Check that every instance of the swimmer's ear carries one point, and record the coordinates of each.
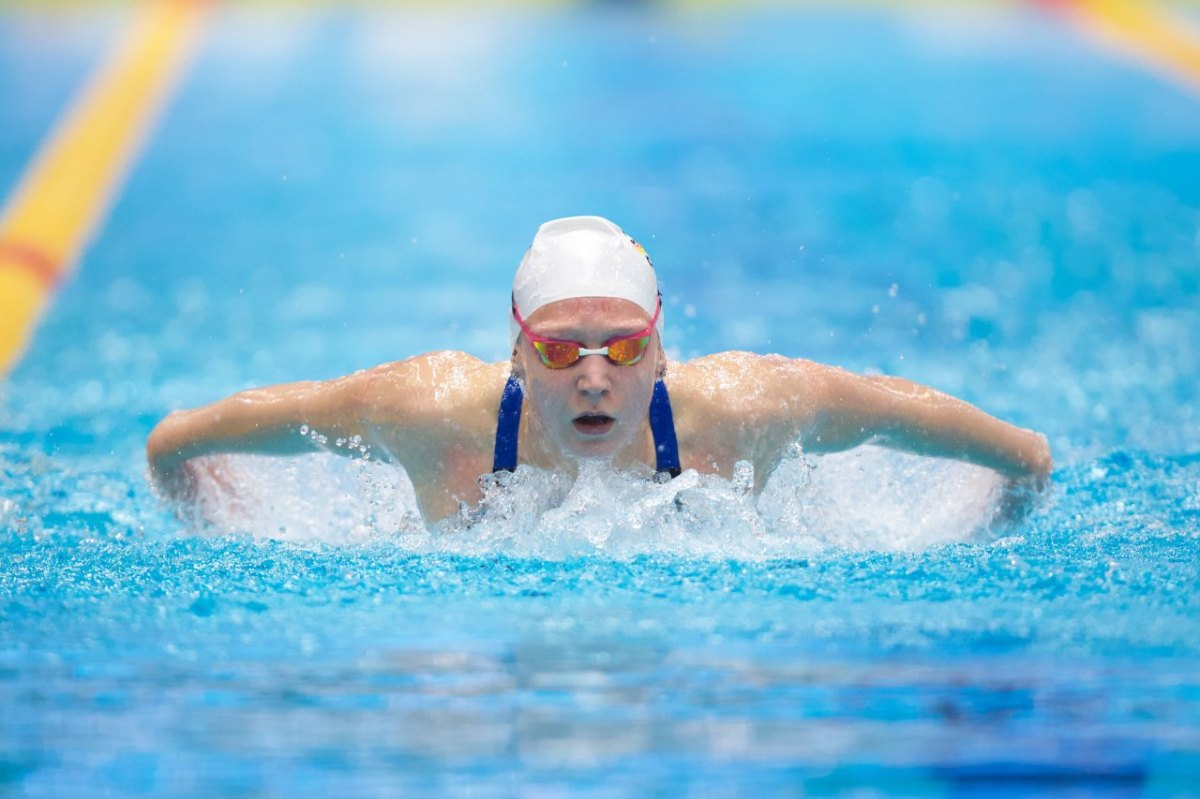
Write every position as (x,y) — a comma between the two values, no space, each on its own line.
(518,365)
(662,361)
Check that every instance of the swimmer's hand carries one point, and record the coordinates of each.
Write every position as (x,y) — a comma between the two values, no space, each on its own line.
(170,475)
(1022,493)
(200,490)
(173,482)
(194,487)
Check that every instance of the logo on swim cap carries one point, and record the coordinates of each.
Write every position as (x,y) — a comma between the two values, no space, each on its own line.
(583,256)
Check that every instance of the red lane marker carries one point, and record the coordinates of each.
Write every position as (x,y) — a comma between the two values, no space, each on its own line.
(33,260)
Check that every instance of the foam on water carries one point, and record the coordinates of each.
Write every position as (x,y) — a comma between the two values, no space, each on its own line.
(866,499)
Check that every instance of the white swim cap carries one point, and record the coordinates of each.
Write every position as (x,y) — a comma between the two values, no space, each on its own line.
(583,256)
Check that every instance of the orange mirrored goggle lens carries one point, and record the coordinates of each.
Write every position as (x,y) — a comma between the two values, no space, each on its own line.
(557,354)
(561,354)
(627,351)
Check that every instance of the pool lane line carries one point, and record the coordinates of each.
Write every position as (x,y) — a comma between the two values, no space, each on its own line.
(1145,30)
(62,197)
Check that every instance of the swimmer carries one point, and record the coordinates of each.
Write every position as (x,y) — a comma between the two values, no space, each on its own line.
(588,379)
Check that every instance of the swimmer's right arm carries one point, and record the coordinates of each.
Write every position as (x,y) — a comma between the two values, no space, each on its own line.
(267,421)
(286,419)
(401,413)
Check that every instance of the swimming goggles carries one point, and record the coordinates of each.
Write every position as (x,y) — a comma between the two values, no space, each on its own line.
(560,353)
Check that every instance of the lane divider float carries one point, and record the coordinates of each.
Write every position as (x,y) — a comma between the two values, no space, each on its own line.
(1144,30)
(68,187)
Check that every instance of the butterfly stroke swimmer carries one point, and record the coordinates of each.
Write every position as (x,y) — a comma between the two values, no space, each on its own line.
(588,379)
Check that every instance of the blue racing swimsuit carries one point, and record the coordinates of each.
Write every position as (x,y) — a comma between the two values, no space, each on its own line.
(662,425)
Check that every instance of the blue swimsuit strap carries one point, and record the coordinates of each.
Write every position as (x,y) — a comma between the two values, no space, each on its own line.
(662,425)
(508,424)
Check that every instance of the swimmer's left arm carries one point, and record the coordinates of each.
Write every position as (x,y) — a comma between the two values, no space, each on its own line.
(837,410)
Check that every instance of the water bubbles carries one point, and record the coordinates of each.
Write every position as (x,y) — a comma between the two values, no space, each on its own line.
(313,435)
(320,497)
(743,477)
(869,499)
(354,445)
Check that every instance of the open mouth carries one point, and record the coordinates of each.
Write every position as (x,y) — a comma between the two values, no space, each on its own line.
(594,424)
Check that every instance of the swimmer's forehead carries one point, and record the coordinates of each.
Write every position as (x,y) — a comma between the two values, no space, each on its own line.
(589,315)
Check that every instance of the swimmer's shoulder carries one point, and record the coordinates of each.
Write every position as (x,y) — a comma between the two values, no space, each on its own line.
(447,386)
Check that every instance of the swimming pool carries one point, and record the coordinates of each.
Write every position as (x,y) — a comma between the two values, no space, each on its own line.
(983,200)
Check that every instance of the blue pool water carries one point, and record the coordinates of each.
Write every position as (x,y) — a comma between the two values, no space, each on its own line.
(983,200)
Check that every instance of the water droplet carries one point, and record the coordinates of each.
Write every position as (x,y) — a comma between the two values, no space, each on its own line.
(743,477)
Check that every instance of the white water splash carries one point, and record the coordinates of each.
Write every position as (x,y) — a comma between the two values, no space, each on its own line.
(865,499)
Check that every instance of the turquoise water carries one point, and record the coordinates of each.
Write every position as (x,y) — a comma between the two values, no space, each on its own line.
(981,200)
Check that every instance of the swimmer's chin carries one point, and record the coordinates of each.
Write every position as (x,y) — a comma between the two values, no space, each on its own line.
(599,448)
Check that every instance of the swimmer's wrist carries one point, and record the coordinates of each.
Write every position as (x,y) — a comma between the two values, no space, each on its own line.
(1041,462)
(1034,462)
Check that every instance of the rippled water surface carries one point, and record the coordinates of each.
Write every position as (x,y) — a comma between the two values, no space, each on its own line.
(983,200)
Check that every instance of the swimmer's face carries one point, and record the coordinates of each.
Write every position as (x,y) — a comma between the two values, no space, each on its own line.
(594,407)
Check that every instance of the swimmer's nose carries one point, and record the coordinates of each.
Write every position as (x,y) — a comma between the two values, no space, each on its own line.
(593,375)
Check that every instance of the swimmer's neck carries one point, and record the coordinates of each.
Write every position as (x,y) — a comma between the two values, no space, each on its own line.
(537,449)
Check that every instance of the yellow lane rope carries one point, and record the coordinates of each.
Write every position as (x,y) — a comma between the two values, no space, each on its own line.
(64,194)
(1145,30)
